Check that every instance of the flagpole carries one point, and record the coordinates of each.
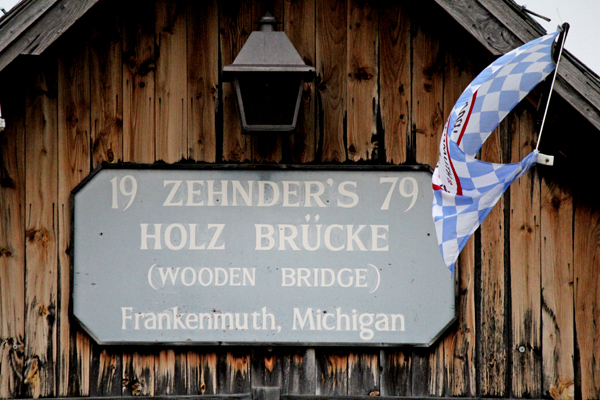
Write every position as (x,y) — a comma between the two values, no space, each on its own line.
(565,28)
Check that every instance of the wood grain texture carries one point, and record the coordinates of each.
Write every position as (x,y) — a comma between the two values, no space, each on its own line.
(73,164)
(235,25)
(201,373)
(331,79)
(525,268)
(363,84)
(492,357)
(74,155)
(267,367)
(558,374)
(396,372)
(12,244)
(233,372)
(203,79)
(171,81)
(44,31)
(41,232)
(138,374)
(395,76)
(106,373)
(299,372)
(462,369)
(300,27)
(106,77)
(363,373)
(587,298)
(170,373)
(12,28)
(332,372)
(428,85)
(139,67)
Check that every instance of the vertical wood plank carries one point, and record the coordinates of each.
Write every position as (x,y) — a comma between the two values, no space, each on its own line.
(332,372)
(233,372)
(363,373)
(170,373)
(12,245)
(138,374)
(525,268)
(299,372)
(73,165)
(106,71)
(396,374)
(203,79)
(235,20)
(395,76)
(202,373)
(331,78)
(422,361)
(139,67)
(267,367)
(587,297)
(106,374)
(428,83)
(171,81)
(558,372)
(363,72)
(492,358)
(463,363)
(557,293)
(299,20)
(41,292)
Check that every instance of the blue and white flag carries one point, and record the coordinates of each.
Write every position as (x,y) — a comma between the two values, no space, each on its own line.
(466,189)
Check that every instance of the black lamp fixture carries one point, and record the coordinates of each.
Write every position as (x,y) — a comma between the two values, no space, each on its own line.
(268,76)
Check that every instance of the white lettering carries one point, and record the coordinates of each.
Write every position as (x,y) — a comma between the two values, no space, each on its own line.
(344,192)
(169,201)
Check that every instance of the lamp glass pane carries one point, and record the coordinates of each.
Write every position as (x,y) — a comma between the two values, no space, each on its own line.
(269,98)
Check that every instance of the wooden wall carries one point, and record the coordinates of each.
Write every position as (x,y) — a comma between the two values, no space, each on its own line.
(138,81)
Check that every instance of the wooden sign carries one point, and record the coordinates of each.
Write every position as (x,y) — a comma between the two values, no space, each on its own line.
(283,256)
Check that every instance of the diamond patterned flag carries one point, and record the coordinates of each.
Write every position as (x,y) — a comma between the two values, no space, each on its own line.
(466,189)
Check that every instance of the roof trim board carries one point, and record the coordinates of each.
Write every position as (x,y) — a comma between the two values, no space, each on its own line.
(33,27)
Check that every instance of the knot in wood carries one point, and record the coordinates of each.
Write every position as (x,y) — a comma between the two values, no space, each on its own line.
(556,203)
(527,228)
(362,74)
(7,182)
(38,235)
(6,253)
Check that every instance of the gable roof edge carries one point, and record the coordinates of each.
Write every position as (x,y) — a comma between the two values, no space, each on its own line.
(500,28)
(33,26)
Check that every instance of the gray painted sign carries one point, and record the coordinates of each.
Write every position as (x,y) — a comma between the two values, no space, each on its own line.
(284,256)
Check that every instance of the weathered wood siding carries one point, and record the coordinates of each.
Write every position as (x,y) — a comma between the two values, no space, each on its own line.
(138,81)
